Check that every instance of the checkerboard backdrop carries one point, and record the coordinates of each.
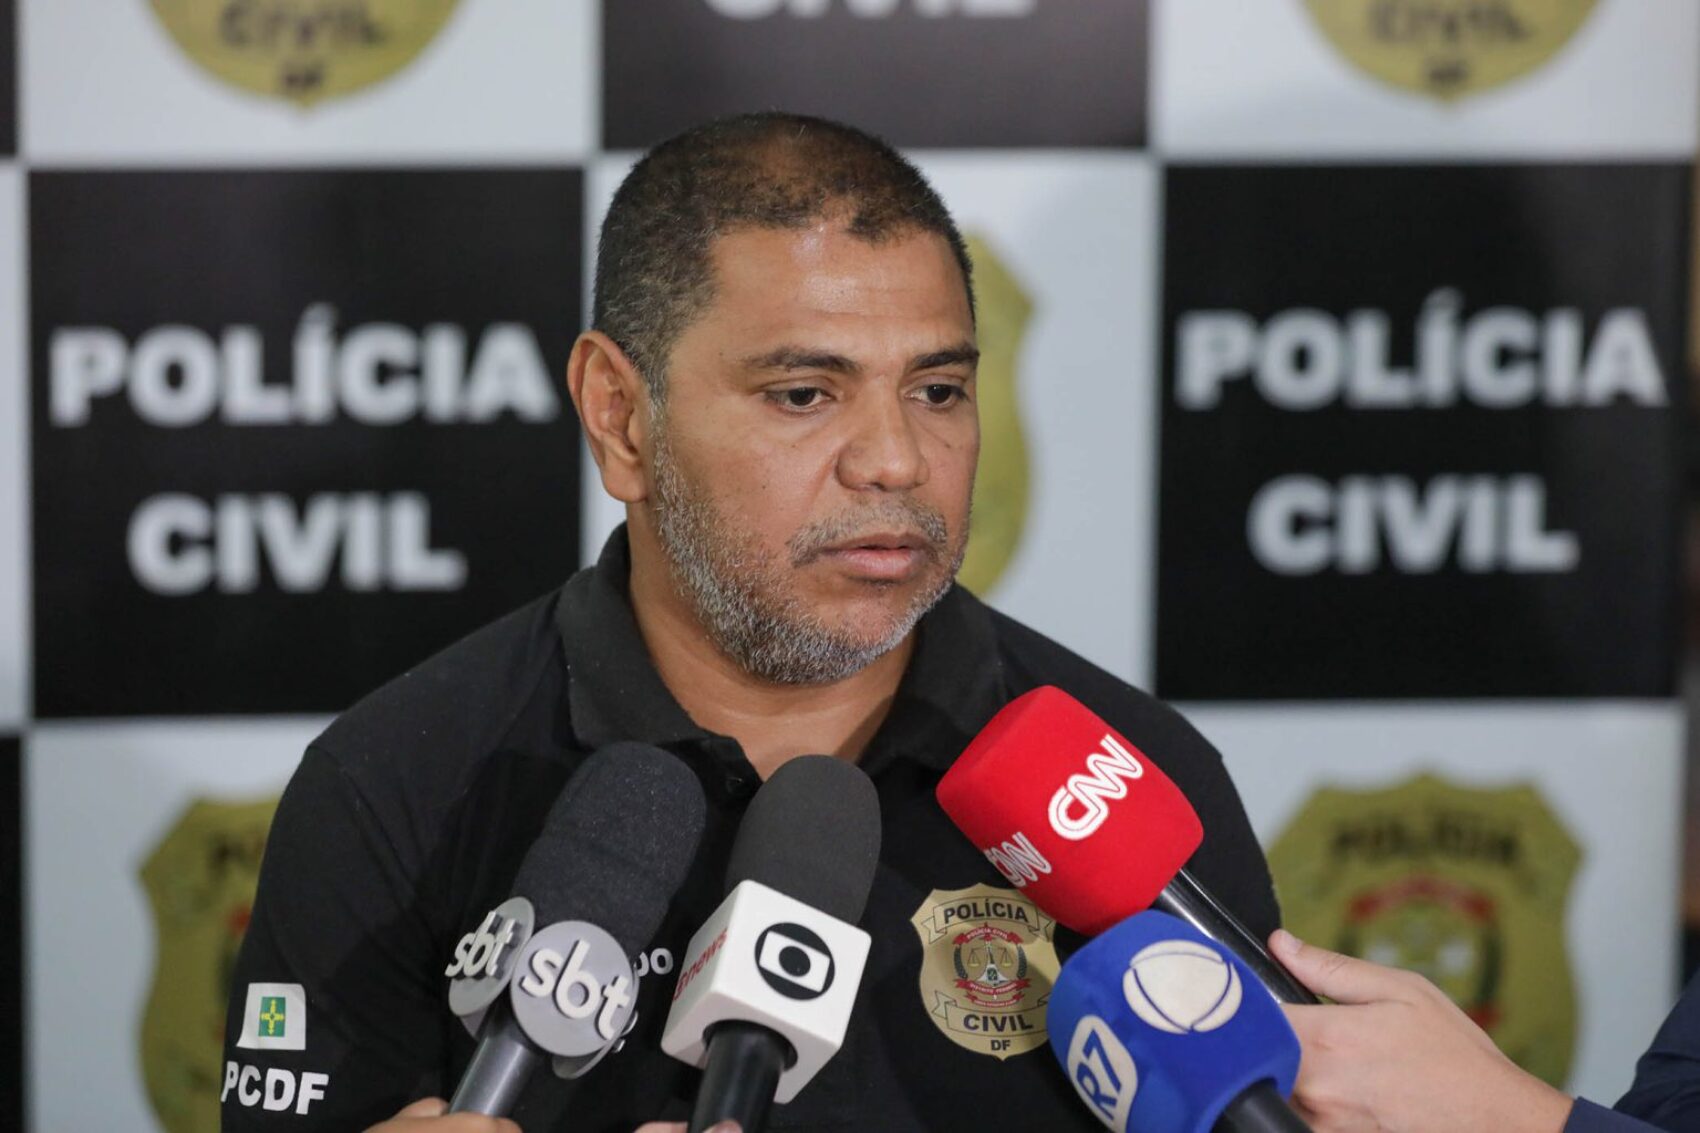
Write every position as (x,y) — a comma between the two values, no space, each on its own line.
(1333,388)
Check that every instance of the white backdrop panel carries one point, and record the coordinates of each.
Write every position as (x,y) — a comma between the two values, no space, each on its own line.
(1238,80)
(14,457)
(1078,231)
(1610,771)
(105,84)
(98,799)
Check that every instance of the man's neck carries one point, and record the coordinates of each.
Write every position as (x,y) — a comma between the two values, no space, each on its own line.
(772,722)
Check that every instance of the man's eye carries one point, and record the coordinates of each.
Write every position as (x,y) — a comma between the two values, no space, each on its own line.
(801,397)
(942,393)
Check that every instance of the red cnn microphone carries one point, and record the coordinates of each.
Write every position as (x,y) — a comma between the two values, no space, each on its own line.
(1083,822)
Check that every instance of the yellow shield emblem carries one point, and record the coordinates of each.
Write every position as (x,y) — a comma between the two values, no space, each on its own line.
(1449,48)
(1000,486)
(987,966)
(303,52)
(1466,886)
(201,881)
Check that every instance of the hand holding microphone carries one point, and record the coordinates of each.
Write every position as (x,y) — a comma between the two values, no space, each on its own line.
(1086,825)
(1393,1052)
(1158,1032)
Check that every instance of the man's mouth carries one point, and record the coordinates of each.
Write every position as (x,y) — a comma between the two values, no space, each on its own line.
(903,541)
(879,556)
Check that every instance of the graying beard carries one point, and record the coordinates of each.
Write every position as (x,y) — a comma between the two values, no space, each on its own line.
(741,602)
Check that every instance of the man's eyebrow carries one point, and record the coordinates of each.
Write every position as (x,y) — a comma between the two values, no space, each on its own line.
(966,353)
(800,358)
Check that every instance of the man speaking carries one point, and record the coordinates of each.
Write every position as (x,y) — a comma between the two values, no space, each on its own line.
(780,387)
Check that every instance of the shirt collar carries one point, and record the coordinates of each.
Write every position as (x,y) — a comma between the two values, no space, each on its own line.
(613,690)
(953,685)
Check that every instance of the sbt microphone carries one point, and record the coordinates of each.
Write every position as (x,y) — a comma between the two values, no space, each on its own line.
(765,995)
(614,850)
(1086,825)
(1158,1030)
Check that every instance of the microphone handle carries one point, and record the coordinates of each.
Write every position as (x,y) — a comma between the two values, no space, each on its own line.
(744,1064)
(500,1067)
(1191,902)
(1260,1109)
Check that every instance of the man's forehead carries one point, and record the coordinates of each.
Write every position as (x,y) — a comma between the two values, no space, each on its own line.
(772,276)
(829,247)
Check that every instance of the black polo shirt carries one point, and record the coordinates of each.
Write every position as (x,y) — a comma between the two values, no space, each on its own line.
(407,819)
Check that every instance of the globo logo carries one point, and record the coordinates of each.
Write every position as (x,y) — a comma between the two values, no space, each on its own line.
(794,961)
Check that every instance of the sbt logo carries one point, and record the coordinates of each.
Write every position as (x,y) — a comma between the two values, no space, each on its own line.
(577,993)
(1078,807)
(874,9)
(479,952)
(1102,1071)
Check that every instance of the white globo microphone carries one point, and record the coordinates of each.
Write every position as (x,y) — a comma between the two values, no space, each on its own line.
(771,960)
(768,983)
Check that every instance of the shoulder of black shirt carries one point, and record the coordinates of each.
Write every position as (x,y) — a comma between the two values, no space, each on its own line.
(415,746)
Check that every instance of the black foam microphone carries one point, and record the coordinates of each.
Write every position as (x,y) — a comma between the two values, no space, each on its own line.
(766,996)
(614,850)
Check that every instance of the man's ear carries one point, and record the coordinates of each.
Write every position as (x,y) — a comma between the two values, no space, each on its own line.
(613,408)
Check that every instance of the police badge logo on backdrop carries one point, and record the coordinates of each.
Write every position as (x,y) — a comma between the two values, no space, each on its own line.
(986,67)
(1318,339)
(303,53)
(1464,885)
(1003,478)
(1454,48)
(200,881)
(292,430)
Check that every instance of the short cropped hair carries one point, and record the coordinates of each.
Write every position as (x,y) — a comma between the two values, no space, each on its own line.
(654,276)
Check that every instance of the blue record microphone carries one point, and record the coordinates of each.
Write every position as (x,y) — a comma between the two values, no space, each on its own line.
(1162,1030)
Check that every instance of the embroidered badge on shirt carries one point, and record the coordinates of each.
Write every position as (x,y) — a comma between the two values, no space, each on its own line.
(275,1018)
(987,965)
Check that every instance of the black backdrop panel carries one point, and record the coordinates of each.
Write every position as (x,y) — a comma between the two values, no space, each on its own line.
(919,72)
(8,77)
(293,430)
(11,936)
(1402,412)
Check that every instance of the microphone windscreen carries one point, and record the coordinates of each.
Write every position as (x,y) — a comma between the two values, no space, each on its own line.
(617,844)
(1158,1027)
(813,833)
(1069,811)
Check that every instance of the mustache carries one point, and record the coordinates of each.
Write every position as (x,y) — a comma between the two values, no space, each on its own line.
(892,514)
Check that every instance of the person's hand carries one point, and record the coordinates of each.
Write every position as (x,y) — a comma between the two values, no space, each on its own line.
(430,1115)
(679,1127)
(1394,1055)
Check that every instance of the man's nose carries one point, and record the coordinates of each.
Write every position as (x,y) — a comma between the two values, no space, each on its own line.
(883,450)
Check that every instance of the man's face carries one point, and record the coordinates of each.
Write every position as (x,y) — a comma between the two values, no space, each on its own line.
(815,458)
